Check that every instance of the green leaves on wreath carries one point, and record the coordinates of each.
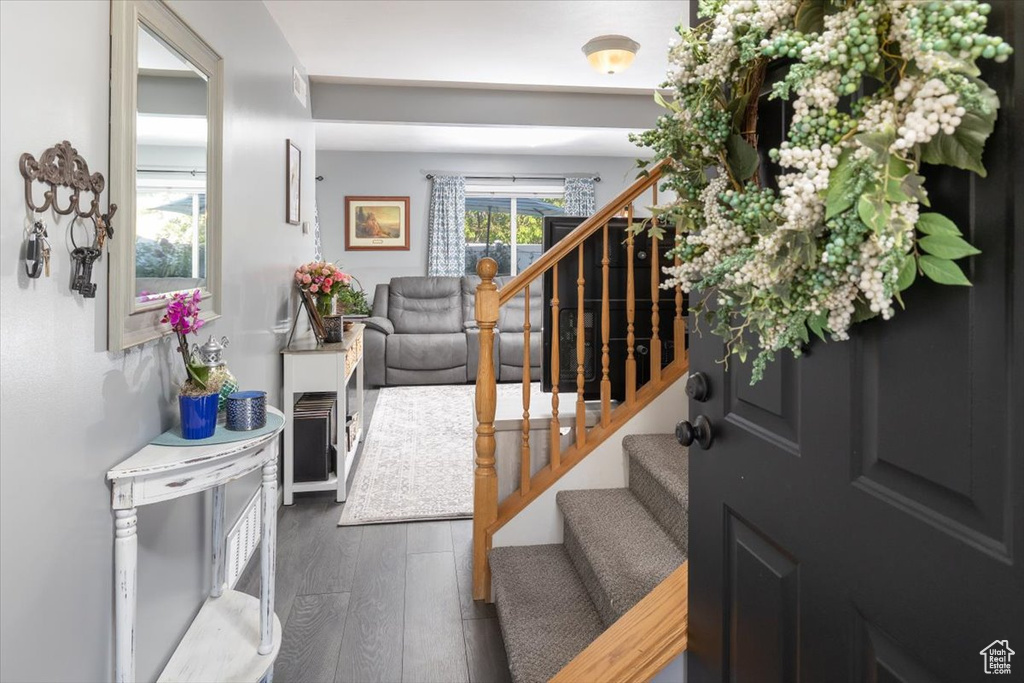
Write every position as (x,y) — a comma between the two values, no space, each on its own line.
(817,324)
(842,186)
(741,157)
(943,271)
(942,244)
(810,16)
(963,149)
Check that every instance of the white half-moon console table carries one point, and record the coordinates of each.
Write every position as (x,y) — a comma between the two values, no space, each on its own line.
(235,637)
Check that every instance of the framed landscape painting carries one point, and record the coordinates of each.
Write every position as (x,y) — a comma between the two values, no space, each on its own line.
(376,223)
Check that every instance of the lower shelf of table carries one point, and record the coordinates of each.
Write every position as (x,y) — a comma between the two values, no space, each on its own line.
(222,642)
(331,483)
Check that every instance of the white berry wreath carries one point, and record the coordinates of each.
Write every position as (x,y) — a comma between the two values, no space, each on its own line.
(845,232)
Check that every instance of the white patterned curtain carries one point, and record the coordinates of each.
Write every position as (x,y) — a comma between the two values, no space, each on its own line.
(446,229)
(579,197)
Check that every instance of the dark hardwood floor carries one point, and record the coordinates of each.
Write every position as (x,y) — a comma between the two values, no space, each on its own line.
(388,603)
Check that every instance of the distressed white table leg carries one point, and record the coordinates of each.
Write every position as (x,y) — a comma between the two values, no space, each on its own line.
(126,552)
(268,552)
(289,440)
(218,559)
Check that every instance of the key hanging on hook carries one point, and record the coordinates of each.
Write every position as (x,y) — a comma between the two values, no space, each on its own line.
(37,252)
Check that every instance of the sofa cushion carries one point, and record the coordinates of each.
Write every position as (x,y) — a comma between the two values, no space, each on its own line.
(510,349)
(426,351)
(425,305)
(512,316)
(469,285)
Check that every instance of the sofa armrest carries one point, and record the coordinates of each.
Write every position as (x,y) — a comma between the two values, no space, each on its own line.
(380,324)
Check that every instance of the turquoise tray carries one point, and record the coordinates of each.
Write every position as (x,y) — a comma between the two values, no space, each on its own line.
(173,437)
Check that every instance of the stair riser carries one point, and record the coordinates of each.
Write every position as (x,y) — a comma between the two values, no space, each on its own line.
(586,572)
(671,514)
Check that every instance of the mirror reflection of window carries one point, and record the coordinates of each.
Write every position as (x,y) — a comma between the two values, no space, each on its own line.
(171,133)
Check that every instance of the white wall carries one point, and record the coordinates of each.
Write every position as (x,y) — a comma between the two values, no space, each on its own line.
(402,174)
(69,409)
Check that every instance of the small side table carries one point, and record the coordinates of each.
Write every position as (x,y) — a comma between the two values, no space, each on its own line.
(235,637)
(309,367)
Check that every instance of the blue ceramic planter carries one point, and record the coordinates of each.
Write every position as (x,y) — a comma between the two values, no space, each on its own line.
(198,415)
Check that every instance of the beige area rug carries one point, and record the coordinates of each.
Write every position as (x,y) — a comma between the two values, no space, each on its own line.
(417,462)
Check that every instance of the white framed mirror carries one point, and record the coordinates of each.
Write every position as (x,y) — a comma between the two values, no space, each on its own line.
(166,129)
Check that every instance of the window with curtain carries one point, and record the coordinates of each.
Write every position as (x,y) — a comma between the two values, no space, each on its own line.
(507,224)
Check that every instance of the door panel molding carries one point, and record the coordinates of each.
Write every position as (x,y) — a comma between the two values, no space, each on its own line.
(761,597)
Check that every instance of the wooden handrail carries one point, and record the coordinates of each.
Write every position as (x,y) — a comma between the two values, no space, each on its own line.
(584,230)
(641,642)
(489,514)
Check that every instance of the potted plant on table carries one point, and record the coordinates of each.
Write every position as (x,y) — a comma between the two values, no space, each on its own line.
(323,282)
(199,395)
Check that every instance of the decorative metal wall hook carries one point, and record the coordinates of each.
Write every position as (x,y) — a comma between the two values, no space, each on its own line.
(62,166)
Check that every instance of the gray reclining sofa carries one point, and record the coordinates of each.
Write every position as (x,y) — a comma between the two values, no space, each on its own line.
(423,331)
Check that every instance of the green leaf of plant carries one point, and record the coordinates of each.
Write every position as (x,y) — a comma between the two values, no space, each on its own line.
(913,185)
(805,337)
(878,143)
(738,108)
(741,157)
(662,102)
(947,246)
(200,374)
(936,224)
(810,17)
(908,273)
(943,271)
(817,323)
(894,191)
(873,212)
(963,149)
(862,311)
(841,181)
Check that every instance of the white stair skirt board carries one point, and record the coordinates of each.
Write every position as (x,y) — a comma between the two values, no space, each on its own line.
(221,643)
(605,467)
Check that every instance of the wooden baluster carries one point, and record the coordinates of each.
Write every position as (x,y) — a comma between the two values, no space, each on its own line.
(630,311)
(606,385)
(655,296)
(679,323)
(581,406)
(556,436)
(524,464)
(485,484)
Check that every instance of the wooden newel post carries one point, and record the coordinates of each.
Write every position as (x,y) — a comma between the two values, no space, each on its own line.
(485,483)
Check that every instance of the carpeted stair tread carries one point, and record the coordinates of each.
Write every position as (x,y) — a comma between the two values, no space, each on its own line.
(545,613)
(658,476)
(618,548)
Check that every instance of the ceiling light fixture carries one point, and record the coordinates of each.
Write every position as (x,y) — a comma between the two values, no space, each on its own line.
(611,54)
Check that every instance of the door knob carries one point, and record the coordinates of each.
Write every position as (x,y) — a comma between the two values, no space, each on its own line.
(697,387)
(699,431)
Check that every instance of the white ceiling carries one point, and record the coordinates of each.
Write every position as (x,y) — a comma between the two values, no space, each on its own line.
(520,42)
(553,140)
